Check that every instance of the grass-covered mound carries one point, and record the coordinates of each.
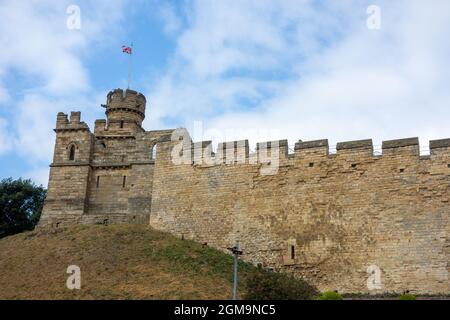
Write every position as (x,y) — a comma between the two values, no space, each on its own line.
(125,262)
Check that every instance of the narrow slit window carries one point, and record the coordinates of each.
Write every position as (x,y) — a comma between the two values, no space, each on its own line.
(292,252)
(121,124)
(72,153)
(124,181)
(98,182)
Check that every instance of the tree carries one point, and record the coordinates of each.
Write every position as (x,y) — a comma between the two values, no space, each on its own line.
(21,203)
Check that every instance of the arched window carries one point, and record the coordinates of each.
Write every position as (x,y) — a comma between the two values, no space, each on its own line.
(153,155)
(72,153)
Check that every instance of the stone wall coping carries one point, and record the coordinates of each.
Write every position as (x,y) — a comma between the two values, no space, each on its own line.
(358,144)
(311,144)
(390,144)
(443,143)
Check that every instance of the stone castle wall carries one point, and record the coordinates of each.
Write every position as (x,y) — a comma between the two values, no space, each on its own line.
(325,217)
(330,218)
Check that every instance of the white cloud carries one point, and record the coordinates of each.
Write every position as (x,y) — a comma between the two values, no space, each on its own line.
(5,137)
(312,70)
(38,44)
(49,59)
(39,175)
(167,13)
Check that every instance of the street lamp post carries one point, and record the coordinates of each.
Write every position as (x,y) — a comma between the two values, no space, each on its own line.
(236,250)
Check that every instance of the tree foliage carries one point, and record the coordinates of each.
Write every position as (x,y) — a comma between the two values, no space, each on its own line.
(21,203)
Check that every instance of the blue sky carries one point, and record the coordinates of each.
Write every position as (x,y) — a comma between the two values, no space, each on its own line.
(248,69)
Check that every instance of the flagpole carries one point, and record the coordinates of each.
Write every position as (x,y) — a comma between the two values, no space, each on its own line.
(129,66)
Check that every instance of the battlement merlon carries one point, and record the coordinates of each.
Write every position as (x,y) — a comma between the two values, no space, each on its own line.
(350,149)
(312,148)
(439,144)
(440,148)
(74,124)
(99,126)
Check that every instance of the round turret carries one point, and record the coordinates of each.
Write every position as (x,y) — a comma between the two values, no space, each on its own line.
(125,106)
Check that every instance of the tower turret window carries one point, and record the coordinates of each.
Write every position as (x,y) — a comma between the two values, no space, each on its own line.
(72,153)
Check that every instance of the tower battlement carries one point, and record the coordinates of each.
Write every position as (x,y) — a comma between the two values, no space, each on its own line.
(126,100)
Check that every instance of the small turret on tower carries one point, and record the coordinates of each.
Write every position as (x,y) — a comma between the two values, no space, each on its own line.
(125,111)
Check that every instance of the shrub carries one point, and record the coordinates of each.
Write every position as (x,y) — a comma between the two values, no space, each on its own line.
(264,285)
(21,203)
(330,295)
(407,296)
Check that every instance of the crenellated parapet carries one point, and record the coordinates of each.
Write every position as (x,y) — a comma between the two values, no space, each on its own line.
(277,153)
(63,123)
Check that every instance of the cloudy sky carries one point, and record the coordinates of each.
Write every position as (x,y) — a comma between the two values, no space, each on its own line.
(256,69)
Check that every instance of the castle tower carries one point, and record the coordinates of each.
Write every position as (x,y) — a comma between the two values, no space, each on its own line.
(125,111)
(66,200)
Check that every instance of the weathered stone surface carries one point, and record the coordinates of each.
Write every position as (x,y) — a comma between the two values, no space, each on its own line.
(436,144)
(400,143)
(311,144)
(327,218)
(360,144)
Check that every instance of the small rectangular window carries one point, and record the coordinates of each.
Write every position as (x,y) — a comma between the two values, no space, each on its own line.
(121,124)
(292,252)
(448,166)
(311,164)
(124,182)
(98,181)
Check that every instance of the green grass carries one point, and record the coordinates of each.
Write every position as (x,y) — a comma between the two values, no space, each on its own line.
(407,296)
(330,295)
(117,262)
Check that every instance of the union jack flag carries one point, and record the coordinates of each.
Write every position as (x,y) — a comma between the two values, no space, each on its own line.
(126,49)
